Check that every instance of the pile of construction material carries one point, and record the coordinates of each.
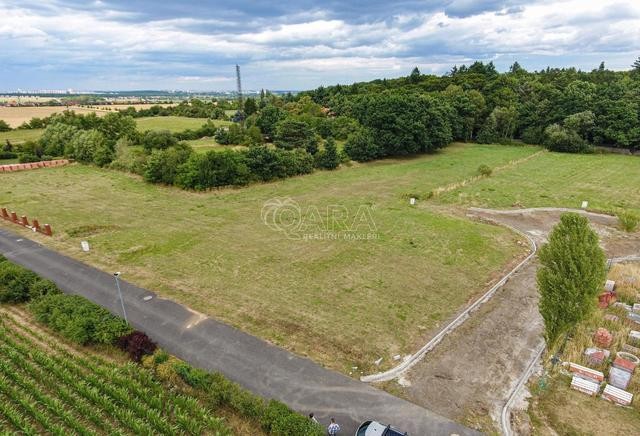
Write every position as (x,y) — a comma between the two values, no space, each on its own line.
(621,368)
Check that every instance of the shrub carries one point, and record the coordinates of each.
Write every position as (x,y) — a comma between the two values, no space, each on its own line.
(4,127)
(275,417)
(328,158)
(279,420)
(78,319)
(84,144)
(28,157)
(104,153)
(162,166)
(15,283)
(213,169)
(485,170)
(291,133)
(628,220)
(533,135)
(194,377)
(137,344)
(267,119)
(129,158)
(557,138)
(361,146)
(8,155)
(42,287)
(158,139)
(55,137)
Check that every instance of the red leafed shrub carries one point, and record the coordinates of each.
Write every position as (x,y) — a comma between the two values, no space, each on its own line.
(137,344)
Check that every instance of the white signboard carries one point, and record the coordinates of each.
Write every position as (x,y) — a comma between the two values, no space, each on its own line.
(85,246)
(585,204)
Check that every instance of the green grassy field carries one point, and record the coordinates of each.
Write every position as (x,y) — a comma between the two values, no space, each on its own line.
(174,124)
(607,181)
(18,136)
(203,145)
(343,302)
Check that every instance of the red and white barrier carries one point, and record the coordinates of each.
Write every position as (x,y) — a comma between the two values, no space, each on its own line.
(33,165)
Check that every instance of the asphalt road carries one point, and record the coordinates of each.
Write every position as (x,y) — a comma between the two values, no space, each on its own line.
(253,363)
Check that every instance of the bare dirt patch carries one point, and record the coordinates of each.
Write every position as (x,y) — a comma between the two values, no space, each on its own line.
(473,370)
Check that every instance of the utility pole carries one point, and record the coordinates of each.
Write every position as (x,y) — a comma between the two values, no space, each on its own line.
(124,312)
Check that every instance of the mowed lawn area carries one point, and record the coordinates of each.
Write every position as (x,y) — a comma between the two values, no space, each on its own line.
(203,145)
(174,124)
(341,301)
(20,136)
(609,182)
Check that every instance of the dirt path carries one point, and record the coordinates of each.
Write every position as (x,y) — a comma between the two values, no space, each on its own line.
(472,372)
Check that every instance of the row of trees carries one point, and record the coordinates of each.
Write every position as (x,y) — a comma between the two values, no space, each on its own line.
(179,165)
(498,107)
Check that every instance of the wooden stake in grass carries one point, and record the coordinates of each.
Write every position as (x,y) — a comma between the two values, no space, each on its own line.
(573,272)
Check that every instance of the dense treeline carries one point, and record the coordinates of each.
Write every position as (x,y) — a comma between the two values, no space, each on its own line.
(567,109)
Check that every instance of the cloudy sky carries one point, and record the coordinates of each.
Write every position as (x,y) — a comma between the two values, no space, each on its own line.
(194,44)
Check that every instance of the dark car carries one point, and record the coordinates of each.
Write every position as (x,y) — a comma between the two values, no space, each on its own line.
(373,428)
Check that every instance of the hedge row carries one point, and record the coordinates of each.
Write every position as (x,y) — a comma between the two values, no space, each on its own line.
(18,285)
(78,319)
(274,417)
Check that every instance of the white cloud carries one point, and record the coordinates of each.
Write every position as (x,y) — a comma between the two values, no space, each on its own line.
(186,49)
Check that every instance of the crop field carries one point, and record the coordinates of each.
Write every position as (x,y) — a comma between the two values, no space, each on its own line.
(122,106)
(174,124)
(342,301)
(49,387)
(19,136)
(15,116)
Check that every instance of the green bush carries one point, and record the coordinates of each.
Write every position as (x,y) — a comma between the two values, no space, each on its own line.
(628,220)
(28,157)
(84,144)
(78,319)
(158,139)
(361,146)
(15,283)
(485,170)
(328,158)
(162,165)
(194,377)
(558,138)
(42,287)
(18,285)
(56,137)
(8,155)
(279,420)
(218,391)
(213,169)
